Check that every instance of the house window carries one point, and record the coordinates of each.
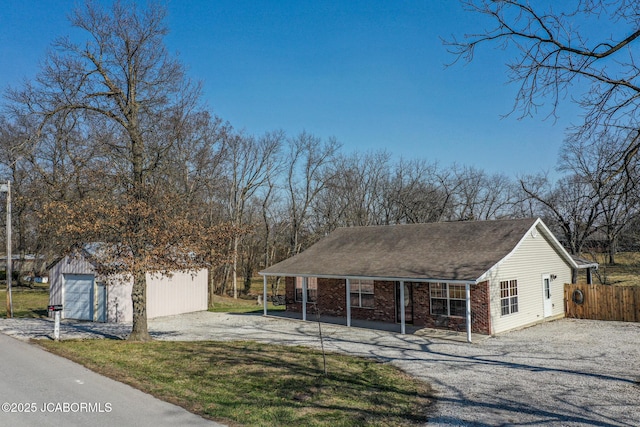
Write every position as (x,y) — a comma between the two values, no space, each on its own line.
(362,293)
(312,289)
(509,297)
(448,299)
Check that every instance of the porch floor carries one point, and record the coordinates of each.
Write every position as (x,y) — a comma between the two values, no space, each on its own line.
(424,332)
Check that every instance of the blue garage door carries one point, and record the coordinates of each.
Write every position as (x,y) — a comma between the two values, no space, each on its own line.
(78,296)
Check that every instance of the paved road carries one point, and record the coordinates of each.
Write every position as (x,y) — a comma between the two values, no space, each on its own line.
(38,388)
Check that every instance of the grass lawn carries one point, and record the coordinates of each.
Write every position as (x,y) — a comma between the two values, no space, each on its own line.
(247,303)
(27,302)
(252,384)
(625,272)
(223,304)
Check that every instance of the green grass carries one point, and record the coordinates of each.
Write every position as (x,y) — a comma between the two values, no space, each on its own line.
(246,303)
(241,305)
(625,272)
(26,302)
(33,302)
(255,384)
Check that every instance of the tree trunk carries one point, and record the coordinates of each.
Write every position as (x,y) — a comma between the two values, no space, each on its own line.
(234,275)
(613,248)
(247,278)
(139,332)
(224,280)
(211,287)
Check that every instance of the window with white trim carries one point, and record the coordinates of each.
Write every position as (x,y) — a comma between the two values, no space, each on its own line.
(508,297)
(362,293)
(448,299)
(312,289)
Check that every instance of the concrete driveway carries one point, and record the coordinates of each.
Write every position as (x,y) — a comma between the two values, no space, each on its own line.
(564,373)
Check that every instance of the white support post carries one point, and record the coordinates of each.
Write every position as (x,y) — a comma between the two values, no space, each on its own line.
(402,313)
(305,281)
(264,295)
(468,298)
(56,325)
(349,302)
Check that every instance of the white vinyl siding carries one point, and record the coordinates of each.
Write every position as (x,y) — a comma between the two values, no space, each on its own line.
(68,265)
(183,292)
(534,257)
(166,296)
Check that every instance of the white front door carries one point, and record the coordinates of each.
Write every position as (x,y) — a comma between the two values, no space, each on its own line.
(546,296)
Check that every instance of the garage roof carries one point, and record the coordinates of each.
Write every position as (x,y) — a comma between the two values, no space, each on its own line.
(447,251)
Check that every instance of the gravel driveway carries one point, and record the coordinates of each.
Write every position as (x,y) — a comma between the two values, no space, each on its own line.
(562,373)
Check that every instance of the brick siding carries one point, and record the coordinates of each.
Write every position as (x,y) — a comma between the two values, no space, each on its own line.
(332,302)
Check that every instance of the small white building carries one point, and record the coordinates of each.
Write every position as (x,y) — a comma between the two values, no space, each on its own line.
(85,295)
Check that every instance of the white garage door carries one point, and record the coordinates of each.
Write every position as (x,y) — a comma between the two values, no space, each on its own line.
(78,296)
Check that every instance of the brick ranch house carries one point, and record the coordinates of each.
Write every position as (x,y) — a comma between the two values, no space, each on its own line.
(483,276)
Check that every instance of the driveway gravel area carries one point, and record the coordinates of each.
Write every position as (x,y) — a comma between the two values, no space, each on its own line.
(562,373)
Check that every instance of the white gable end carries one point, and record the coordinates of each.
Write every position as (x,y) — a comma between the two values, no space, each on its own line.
(536,255)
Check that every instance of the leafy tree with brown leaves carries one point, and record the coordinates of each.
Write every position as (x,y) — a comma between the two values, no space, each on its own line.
(118,90)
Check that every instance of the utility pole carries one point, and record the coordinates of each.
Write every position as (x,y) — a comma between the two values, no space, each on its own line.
(6,188)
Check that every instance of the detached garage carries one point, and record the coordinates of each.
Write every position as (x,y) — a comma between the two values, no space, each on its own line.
(85,295)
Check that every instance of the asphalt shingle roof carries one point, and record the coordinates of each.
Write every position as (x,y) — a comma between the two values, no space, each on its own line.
(444,250)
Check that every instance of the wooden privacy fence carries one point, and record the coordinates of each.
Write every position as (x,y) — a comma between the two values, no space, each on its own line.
(602,302)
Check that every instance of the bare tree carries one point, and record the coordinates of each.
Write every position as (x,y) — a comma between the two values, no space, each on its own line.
(556,54)
(358,188)
(569,205)
(418,192)
(308,160)
(249,164)
(196,154)
(616,194)
(122,83)
(479,196)
(13,168)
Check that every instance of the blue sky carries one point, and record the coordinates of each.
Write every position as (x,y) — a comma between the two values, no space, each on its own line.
(369,73)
